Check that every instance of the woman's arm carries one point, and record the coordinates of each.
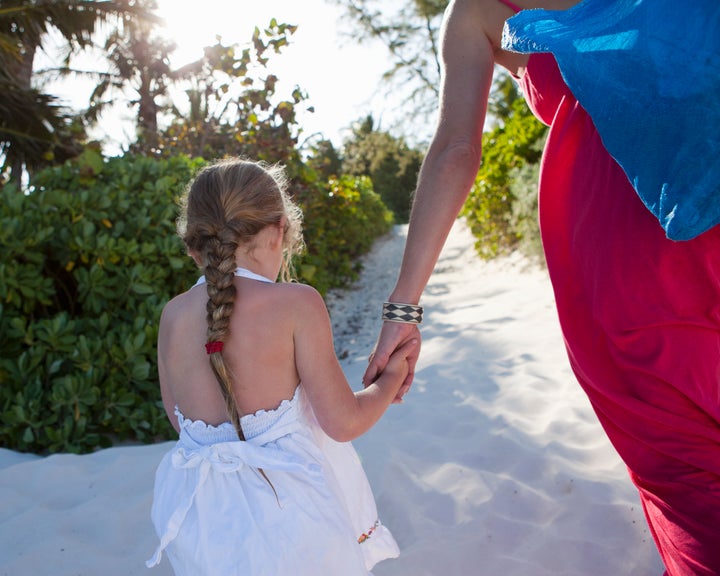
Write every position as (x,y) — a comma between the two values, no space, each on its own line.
(450,165)
(343,414)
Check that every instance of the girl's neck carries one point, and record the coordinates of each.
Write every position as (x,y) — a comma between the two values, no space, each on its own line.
(264,255)
(264,267)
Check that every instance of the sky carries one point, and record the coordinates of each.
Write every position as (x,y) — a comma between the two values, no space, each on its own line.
(341,78)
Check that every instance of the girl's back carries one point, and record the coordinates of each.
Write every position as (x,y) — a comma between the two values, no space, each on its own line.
(259,351)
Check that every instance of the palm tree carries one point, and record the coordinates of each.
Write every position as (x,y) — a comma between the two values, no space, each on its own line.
(31,125)
(34,129)
(139,62)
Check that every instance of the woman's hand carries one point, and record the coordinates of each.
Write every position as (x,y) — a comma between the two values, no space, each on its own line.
(393,336)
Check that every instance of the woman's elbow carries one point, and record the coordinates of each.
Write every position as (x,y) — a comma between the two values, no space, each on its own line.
(452,156)
(461,155)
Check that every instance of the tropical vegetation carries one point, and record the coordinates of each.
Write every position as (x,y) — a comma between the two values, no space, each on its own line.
(89,249)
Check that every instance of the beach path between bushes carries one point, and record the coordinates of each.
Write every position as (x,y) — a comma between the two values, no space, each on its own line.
(495,464)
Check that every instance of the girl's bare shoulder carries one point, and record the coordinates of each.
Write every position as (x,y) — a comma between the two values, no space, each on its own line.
(301,306)
(286,307)
(179,305)
(298,295)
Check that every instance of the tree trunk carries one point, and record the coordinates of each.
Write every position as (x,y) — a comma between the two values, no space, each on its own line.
(22,73)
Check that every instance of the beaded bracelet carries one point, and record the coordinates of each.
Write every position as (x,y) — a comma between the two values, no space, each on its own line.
(408,313)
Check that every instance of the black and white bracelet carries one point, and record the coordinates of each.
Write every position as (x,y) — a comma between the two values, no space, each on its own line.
(396,312)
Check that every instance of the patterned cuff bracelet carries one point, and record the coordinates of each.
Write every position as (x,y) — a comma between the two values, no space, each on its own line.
(409,313)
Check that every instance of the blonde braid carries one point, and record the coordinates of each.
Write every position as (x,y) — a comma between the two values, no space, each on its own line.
(219,275)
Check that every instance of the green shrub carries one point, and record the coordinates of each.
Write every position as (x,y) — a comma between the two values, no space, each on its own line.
(489,209)
(524,219)
(90,257)
(342,220)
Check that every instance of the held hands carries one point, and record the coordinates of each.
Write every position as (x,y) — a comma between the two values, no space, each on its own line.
(397,349)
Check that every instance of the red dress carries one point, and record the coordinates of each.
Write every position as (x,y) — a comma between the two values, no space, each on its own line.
(640,315)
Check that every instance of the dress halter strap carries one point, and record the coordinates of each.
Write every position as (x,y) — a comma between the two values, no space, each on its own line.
(511,5)
(243,273)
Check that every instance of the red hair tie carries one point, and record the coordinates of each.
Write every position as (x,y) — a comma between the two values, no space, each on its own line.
(212,347)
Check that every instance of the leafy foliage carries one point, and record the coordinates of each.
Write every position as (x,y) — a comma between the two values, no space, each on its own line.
(391,164)
(139,63)
(490,207)
(342,220)
(410,30)
(34,128)
(232,109)
(35,131)
(324,159)
(91,256)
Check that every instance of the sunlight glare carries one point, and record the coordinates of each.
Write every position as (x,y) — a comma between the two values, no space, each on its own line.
(341,79)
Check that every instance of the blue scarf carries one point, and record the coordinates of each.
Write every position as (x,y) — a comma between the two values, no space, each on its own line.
(648,73)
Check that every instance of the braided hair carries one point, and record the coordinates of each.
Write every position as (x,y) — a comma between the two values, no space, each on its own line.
(226,205)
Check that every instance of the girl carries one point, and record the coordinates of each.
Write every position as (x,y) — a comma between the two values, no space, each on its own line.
(263,479)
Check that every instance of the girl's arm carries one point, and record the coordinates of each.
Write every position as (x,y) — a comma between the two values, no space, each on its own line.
(165,392)
(343,414)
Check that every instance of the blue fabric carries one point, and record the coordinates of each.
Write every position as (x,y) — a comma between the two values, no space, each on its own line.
(648,73)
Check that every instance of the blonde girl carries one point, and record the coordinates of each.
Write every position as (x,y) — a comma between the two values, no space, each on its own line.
(263,479)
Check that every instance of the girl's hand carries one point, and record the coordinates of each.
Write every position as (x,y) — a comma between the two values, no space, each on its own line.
(400,365)
(392,336)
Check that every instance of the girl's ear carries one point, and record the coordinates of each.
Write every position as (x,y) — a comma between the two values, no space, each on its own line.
(196,258)
(279,231)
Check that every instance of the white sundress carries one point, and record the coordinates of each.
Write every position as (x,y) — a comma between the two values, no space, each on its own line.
(216,514)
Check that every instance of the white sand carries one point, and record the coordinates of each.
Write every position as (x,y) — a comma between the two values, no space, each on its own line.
(494,465)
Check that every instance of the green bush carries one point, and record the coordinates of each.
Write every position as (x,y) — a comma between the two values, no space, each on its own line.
(342,220)
(90,257)
(524,219)
(491,209)
(390,163)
